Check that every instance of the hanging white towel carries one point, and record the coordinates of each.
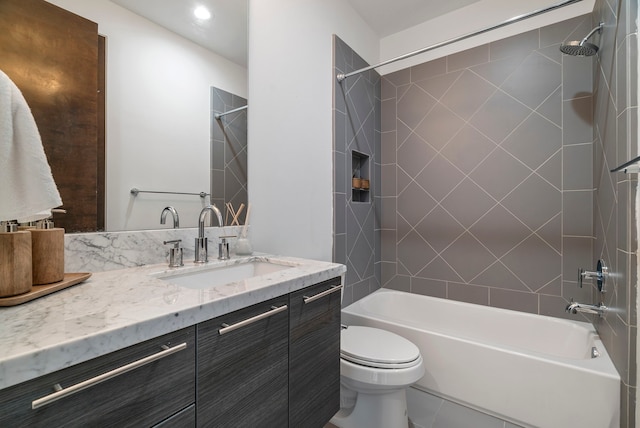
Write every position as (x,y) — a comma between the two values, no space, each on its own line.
(27,189)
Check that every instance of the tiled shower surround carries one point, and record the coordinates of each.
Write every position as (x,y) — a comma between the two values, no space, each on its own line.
(495,183)
(487,173)
(616,141)
(228,150)
(356,128)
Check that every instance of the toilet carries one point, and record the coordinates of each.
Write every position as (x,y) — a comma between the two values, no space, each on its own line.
(376,367)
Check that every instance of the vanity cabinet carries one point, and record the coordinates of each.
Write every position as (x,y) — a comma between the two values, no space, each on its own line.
(314,354)
(141,385)
(273,364)
(242,367)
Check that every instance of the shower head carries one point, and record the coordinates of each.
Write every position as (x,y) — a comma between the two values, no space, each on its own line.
(582,48)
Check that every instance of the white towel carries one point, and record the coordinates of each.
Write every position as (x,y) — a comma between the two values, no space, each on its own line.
(27,189)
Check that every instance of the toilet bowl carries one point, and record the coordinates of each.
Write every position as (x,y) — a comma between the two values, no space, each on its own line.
(376,366)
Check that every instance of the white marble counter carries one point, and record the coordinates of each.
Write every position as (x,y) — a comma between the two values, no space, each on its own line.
(119,308)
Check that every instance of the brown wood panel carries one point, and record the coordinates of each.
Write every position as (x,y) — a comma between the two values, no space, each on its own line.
(52,56)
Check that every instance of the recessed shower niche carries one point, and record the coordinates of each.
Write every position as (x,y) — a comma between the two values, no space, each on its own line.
(360,177)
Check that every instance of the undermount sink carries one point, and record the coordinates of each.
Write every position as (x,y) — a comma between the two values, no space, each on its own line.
(220,275)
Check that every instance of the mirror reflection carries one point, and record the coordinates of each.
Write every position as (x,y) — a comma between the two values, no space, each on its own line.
(158,124)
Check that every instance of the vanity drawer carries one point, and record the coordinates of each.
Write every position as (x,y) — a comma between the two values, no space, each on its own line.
(137,386)
(242,367)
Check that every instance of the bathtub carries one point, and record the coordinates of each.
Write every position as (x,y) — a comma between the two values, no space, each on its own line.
(532,370)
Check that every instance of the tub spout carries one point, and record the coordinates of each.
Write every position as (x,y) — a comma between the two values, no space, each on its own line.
(575,307)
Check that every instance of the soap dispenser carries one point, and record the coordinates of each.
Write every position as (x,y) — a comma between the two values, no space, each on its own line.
(15,260)
(47,244)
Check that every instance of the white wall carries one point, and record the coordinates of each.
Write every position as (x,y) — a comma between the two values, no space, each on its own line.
(477,16)
(290,124)
(158,87)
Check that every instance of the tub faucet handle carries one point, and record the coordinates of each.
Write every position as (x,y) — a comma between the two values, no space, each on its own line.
(600,275)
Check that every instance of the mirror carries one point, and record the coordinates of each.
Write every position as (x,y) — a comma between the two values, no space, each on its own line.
(158,107)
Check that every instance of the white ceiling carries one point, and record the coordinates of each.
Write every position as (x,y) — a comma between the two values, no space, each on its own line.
(388,17)
(225,33)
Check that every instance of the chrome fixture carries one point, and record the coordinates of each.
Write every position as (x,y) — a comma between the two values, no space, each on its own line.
(582,48)
(134,191)
(223,247)
(201,240)
(175,253)
(594,352)
(219,115)
(343,76)
(600,275)
(174,214)
(575,307)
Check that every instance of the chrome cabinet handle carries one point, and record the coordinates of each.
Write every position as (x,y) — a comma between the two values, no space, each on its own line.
(65,392)
(226,328)
(333,289)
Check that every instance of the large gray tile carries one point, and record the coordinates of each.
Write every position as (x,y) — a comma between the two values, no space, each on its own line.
(526,259)
(428,70)
(467,149)
(414,154)
(467,94)
(468,58)
(438,86)
(518,45)
(439,229)
(534,202)
(414,253)
(414,105)
(534,141)
(439,178)
(429,287)
(439,126)
(534,80)
(577,213)
(500,231)
(499,116)
(514,300)
(576,167)
(468,202)
(467,257)
(475,294)
(499,174)
(577,121)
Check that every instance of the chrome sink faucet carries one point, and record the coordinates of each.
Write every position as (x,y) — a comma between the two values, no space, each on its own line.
(174,214)
(201,240)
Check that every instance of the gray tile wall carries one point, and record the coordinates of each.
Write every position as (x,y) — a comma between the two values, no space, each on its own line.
(228,151)
(487,165)
(356,128)
(616,141)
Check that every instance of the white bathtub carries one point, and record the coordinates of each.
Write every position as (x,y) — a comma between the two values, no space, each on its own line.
(532,370)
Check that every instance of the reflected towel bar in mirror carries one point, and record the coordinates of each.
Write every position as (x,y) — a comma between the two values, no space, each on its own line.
(135,192)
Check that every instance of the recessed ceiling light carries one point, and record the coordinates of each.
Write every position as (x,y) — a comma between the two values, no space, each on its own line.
(202,12)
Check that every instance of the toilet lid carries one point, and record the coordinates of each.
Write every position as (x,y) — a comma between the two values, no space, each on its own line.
(377,348)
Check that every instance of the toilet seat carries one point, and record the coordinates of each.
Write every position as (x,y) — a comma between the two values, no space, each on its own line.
(373,347)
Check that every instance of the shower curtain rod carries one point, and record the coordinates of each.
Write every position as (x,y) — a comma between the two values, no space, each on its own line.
(219,115)
(513,20)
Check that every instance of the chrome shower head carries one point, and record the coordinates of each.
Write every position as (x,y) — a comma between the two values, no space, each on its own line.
(579,49)
(582,48)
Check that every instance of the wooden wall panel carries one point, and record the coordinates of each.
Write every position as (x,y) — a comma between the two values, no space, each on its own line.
(52,56)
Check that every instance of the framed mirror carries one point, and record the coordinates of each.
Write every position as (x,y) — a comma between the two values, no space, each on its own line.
(158,105)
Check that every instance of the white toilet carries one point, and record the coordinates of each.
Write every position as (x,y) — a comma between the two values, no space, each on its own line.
(376,366)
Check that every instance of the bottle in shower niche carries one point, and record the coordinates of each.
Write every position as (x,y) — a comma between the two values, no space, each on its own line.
(15,260)
(47,249)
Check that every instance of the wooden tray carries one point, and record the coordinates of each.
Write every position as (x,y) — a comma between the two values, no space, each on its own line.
(42,290)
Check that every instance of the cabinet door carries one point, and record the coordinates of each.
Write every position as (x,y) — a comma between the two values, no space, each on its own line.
(160,382)
(242,367)
(314,354)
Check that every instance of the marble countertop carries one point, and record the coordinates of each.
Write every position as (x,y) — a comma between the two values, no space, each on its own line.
(115,309)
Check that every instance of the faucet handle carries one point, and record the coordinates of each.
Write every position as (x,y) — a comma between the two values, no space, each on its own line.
(175,253)
(223,247)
